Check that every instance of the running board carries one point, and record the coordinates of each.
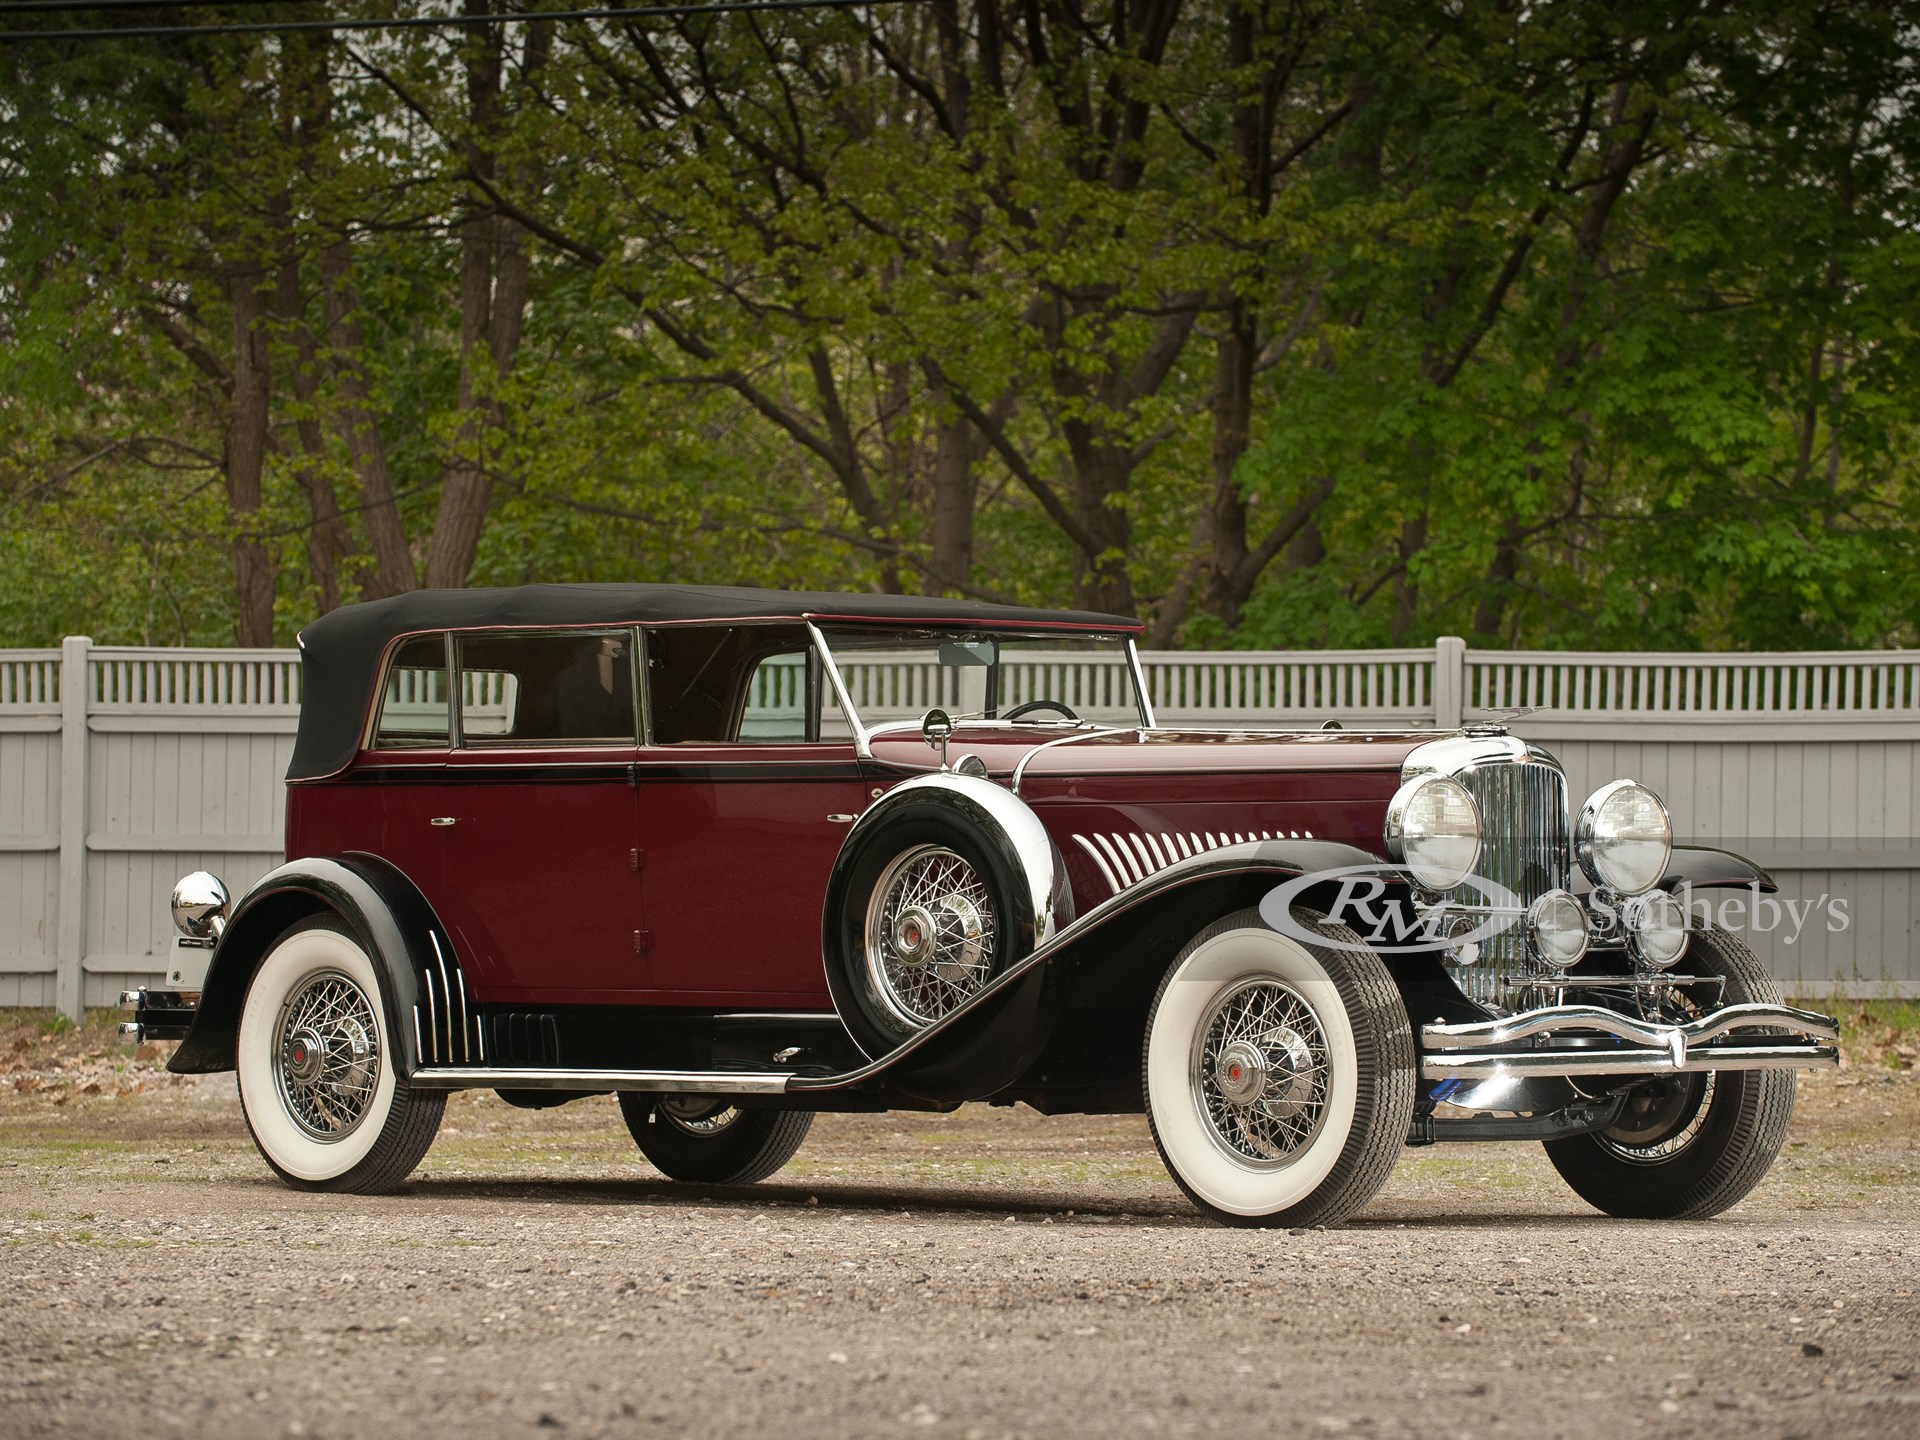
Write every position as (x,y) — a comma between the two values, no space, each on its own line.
(674,1082)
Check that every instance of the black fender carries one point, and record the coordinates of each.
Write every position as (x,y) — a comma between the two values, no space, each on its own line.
(1700,868)
(1109,960)
(388,915)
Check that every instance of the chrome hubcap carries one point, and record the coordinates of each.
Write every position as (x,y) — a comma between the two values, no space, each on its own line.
(1259,1073)
(326,1056)
(930,935)
(913,935)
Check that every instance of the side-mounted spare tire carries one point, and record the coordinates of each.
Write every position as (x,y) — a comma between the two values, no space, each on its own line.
(942,884)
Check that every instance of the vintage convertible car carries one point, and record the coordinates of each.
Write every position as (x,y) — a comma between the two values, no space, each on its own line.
(739,856)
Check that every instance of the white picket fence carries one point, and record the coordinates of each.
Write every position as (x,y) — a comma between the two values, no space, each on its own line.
(122,768)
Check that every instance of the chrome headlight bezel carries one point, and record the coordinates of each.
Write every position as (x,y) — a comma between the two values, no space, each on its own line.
(1410,831)
(1594,849)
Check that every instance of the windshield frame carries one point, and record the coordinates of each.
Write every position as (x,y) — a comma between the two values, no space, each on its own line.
(863,733)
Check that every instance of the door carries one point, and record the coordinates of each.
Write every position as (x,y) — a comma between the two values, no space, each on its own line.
(744,794)
(542,875)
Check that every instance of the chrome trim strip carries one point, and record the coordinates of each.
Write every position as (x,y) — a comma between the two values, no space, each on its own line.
(466,1054)
(681,1082)
(1020,768)
(1106,870)
(1494,1034)
(1488,1064)
(419,1049)
(862,737)
(1122,857)
(833,1015)
(446,989)
(433,1016)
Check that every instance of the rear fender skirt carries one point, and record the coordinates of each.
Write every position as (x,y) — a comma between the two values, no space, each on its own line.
(1701,868)
(1115,953)
(389,916)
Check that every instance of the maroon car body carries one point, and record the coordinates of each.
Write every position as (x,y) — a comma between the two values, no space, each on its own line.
(714,852)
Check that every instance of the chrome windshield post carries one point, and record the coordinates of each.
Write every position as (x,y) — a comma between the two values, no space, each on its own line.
(1140,684)
(862,737)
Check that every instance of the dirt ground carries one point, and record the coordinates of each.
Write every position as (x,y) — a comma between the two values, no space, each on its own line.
(984,1274)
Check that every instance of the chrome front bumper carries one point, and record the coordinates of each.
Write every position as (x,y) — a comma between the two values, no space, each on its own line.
(1589,1040)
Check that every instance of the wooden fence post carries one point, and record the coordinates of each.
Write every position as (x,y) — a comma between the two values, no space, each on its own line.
(69,986)
(1449,681)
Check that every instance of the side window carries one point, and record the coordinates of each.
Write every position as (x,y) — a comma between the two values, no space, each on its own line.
(414,714)
(546,689)
(776,700)
(749,684)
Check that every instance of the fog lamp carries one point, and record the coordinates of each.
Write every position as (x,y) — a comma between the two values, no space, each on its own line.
(1656,926)
(1557,926)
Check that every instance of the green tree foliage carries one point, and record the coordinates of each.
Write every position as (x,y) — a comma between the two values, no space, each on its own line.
(1278,322)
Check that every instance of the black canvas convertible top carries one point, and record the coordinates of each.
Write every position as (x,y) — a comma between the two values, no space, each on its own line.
(340,653)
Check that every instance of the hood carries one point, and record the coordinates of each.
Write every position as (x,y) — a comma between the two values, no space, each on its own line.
(1047,754)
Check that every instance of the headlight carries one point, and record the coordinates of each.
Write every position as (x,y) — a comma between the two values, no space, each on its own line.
(1433,828)
(1557,926)
(1656,929)
(1624,838)
(200,904)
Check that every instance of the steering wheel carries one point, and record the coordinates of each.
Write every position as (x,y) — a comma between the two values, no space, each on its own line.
(1032,705)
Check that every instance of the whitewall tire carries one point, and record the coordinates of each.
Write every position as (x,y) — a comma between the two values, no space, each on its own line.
(1279,1075)
(317,1067)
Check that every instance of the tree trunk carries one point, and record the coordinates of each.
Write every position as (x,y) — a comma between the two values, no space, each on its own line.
(255,567)
(954,486)
(1225,523)
(359,429)
(327,537)
(466,487)
(494,265)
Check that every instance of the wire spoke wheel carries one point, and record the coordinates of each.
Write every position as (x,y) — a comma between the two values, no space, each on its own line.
(326,1055)
(1259,1072)
(930,934)
(697,1116)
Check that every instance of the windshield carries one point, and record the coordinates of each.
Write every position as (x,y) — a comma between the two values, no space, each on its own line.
(893,677)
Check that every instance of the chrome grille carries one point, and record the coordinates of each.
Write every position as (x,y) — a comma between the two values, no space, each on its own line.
(1525,846)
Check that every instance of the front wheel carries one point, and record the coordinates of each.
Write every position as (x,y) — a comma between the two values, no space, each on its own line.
(1689,1146)
(1278,1071)
(316,1065)
(710,1142)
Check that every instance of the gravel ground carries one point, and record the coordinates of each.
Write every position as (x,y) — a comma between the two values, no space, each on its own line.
(989,1273)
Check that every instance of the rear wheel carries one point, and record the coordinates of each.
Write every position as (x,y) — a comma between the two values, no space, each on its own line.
(710,1142)
(1689,1146)
(1279,1072)
(316,1067)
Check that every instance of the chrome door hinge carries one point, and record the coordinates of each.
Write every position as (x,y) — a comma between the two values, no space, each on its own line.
(642,942)
(637,860)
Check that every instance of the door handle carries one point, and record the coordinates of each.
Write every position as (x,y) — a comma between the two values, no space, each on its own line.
(840,819)
(441,820)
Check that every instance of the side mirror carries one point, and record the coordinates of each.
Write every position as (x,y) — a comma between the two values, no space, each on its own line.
(936,729)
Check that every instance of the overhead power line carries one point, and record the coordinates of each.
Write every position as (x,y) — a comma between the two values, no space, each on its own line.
(57,7)
(428,22)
